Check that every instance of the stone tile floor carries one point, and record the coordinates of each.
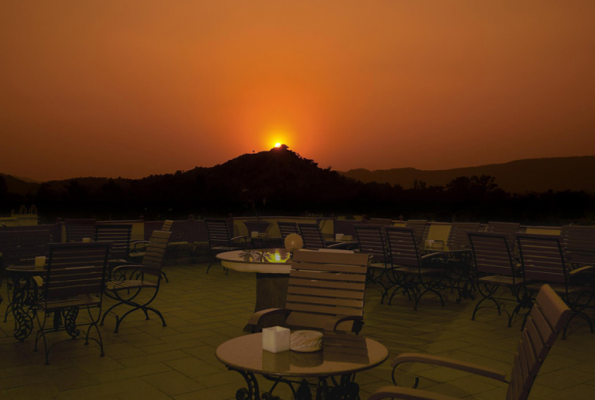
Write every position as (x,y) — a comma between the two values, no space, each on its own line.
(147,361)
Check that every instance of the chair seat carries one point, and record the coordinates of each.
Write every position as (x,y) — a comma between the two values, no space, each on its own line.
(378,266)
(501,280)
(560,288)
(78,301)
(128,284)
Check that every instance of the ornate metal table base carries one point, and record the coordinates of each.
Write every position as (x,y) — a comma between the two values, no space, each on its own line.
(344,389)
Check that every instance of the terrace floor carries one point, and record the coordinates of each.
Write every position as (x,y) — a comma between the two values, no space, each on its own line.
(147,361)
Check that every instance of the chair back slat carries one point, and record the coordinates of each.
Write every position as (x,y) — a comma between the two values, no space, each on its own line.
(578,243)
(118,235)
(75,269)
(420,229)
(402,246)
(371,241)
(458,236)
(77,229)
(509,229)
(311,236)
(542,258)
(287,228)
(491,253)
(324,285)
(547,317)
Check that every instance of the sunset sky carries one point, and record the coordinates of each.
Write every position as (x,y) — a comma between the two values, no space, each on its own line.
(137,87)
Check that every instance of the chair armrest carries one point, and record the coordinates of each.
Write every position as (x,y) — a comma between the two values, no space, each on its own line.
(450,363)
(128,266)
(258,316)
(136,243)
(589,268)
(394,392)
(332,324)
(238,238)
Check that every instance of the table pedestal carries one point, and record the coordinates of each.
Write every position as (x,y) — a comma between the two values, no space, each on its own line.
(271,292)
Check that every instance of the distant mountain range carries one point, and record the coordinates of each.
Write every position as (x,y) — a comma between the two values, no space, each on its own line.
(521,176)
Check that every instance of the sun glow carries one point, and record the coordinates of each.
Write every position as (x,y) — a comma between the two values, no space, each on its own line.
(277,144)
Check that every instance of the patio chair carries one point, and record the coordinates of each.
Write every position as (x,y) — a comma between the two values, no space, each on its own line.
(127,281)
(220,239)
(119,236)
(547,317)
(458,260)
(413,274)
(313,239)
(543,262)
(420,229)
(495,268)
(578,243)
(78,229)
(138,246)
(287,228)
(74,281)
(325,292)
(371,240)
(510,229)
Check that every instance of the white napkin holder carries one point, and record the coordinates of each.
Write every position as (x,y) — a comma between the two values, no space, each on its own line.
(275,339)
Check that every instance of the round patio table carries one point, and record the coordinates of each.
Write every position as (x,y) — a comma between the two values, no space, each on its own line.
(334,367)
(272,267)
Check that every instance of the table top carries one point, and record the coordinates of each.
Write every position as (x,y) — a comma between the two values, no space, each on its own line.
(342,353)
(271,261)
(25,269)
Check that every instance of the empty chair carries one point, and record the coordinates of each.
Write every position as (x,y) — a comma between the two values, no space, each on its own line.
(220,239)
(547,317)
(73,282)
(458,260)
(410,272)
(119,237)
(420,229)
(371,240)
(458,238)
(510,229)
(79,229)
(131,282)
(495,268)
(578,243)
(312,236)
(287,228)
(543,262)
(325,291)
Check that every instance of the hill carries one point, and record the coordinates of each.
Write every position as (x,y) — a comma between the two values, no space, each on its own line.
(521,176)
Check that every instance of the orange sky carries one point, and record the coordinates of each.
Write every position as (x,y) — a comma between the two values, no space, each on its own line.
(131,88)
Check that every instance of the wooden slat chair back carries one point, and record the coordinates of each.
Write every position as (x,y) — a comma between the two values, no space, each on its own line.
(311,236)
(547,318)
(420,229)
(287,228)
(75,269)
(371,240)
(219,232)
(74,279)
(77,229)
(155,252)
(21,247)
(323,286)
(403,246)
(578,243)
(510,229)
(458,238)
(545,321)
(118,235)
(167,225)
(346,226)
(495,266)
(542,259)
(491,254)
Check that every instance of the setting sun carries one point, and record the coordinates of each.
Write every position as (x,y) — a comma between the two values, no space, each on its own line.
(277,144)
